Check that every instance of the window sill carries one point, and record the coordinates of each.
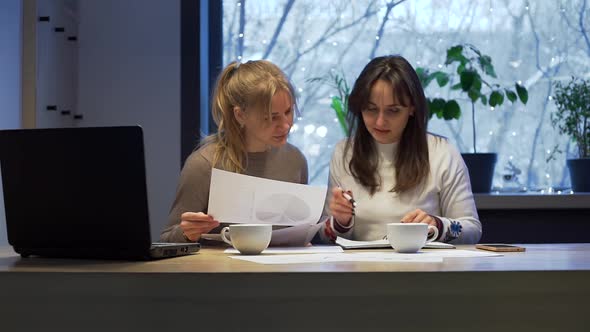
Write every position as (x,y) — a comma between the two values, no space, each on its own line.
(505,201)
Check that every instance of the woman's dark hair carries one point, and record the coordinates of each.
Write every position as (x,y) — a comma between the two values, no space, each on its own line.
(411,158)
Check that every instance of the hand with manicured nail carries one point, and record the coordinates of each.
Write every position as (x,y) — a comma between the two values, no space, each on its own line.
(340,207)
(419,216)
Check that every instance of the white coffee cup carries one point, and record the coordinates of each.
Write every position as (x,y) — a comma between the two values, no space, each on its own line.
(248,239)
(409,237)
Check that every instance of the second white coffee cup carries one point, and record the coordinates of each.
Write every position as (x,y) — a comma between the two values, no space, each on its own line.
(409,237)
(248,239)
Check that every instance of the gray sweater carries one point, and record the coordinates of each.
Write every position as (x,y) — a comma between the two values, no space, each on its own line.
(192,194)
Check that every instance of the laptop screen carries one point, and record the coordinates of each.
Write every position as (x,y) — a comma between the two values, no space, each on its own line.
(75,188)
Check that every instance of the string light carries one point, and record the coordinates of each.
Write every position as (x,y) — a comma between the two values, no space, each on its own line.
(314,150)
(322,131)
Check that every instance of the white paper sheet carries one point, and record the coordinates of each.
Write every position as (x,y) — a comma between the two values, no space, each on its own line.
(353,244)
(331,258)
(295,250)
(238,198)
(295,236)
(420,257)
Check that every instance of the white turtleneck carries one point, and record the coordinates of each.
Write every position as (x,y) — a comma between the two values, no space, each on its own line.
(446,194)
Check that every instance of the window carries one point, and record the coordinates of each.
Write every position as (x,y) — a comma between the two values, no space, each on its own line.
(535,43)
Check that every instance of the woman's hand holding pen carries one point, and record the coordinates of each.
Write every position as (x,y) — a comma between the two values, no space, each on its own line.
(194,224)
(342,205)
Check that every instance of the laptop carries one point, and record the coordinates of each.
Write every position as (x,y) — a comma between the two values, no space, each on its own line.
(80,193)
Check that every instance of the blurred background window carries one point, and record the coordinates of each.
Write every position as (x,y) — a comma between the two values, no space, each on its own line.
(535,43)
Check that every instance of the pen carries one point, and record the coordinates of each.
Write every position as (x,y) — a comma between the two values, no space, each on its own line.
(345,194)
(348,197)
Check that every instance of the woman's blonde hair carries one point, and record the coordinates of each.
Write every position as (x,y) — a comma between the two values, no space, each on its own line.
(249,86)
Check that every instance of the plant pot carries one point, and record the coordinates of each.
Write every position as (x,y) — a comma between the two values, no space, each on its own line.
(481,170)
(579,174)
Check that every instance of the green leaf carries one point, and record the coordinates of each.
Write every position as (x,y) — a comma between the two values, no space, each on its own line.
(486,65)
(423,76)
(511,95)
(467,78)
(476,86)
(436,107)
(438,104)
(522,93)
(429,105)
(441,78)
(455,53)
(456,86)
(340,114)
(451,110)
(473,95)
(496,98)
(484,100)
(460,68)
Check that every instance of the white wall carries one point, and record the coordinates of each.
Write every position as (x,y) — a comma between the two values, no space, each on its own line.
(10,51)
(129,73)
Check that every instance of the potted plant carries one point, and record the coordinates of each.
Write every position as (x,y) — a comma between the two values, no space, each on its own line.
(572,117)
(340,102)
(474,70)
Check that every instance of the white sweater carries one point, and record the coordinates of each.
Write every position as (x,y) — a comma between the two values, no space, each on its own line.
(446,195)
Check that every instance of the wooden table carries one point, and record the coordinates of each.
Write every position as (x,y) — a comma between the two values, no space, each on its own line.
(546,288)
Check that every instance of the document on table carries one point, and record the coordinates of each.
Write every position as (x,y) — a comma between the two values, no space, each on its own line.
(290,236)
(238,198)
(294,236)
(384,257)
(295,250)
(352,244)
(334,258)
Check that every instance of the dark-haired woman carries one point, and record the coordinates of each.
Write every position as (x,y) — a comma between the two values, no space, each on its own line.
(392,167)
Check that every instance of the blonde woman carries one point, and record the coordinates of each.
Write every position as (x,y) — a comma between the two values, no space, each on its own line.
(253,106)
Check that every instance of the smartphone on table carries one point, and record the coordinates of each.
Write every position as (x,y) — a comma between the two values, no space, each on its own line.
(499,247)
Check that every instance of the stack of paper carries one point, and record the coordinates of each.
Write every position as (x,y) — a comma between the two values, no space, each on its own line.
(293,208)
